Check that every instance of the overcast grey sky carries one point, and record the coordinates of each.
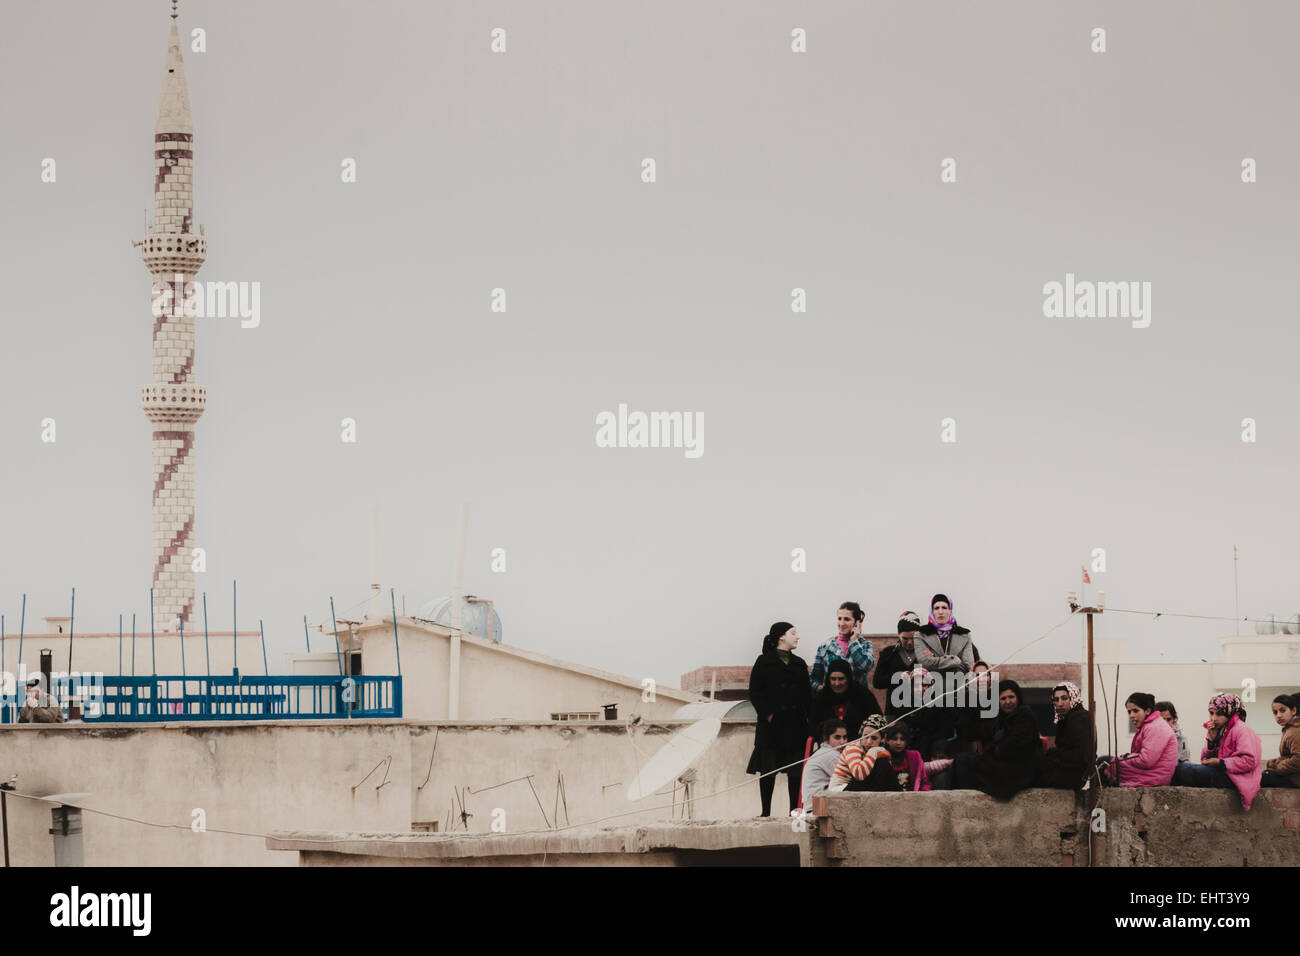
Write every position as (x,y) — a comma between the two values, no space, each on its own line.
(776,170)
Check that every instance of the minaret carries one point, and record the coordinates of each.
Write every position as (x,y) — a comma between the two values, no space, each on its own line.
(172,402)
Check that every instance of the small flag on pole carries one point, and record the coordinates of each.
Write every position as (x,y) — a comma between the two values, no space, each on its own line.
(1086,579)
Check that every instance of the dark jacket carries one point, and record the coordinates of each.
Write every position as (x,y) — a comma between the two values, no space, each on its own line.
(1068,764)
(1011,754)
(959,655)
(858,704)
(892,662)
(782,692)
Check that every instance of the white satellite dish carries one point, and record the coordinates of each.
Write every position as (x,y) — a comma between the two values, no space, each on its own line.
(674,758)
(64,798)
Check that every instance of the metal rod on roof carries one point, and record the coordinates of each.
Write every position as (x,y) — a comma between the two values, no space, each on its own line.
(306,633)
(153,650)
(266,670)
(22,622)
(72,624)
(234,619)
(132,643)
(392,596)
(207,652)
(119,645)
(335,622)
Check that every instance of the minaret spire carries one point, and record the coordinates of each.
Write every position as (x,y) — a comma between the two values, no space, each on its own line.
(172,401)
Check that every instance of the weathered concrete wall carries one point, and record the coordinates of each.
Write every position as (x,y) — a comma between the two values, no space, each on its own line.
(948,828)
(1158,826)
(682,843)
(1180,826)
(257,777)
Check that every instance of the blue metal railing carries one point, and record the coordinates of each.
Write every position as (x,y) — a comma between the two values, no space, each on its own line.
(121,699)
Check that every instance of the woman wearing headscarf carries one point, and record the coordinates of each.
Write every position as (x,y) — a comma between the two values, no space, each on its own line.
(1231,755)
(1009,760)
(781,695)
(1153,754)
(842,698)
(1067,765)
(943,646)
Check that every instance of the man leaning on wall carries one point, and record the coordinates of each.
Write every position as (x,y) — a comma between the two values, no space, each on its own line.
(39,707)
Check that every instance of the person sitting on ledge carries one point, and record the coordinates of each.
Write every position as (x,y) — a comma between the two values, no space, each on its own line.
(832,735)
(864,764)
(1011,749)
(1170,715)
(940,762)
(1231,756)
(906,764)
(1067,765)
(841,698)
(1284,769)
(1153,754)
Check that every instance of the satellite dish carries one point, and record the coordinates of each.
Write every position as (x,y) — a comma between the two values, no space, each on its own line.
(1292,625)
(674,758)
(64,798)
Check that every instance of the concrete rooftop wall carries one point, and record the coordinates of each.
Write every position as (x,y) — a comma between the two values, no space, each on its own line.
(1157,826)
(259,777)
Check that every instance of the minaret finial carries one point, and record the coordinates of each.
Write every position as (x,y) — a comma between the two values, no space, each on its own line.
(173,9)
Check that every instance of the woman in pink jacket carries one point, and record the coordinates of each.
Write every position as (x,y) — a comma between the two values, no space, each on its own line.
(1231,755)
(1153,755)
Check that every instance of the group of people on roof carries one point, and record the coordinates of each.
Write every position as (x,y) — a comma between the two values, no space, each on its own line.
(952,741)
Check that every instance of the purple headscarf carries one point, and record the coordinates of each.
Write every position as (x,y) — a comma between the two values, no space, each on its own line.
(944,629)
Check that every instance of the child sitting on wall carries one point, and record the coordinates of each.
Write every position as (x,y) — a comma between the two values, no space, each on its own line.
(1284,769)
(864,764)
(907,765)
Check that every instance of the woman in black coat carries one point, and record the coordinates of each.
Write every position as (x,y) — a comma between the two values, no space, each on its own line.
(1067,765)
(1012,749)
(842,699)
(782,696)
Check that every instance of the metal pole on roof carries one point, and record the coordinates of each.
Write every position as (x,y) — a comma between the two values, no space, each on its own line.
(132,643)
(119,645)
(335,622)
(72,624)
(234,619)
(22,622)
(207,652)
(392,596)
(306,633)
(153,650)
(265,668)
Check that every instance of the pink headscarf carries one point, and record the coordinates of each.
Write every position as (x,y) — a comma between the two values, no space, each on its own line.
(944,629)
